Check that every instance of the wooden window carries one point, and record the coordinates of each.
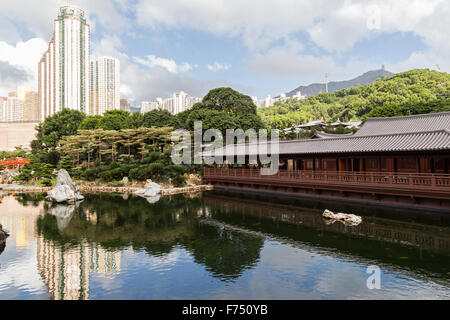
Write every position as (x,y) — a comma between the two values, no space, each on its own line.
(317,164)
(387,164)
(329,164)
(407,164)
(439,165)
(372,164)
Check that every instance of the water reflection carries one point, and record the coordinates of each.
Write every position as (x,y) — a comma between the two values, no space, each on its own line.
(65,269)
(212,246)
(396,244)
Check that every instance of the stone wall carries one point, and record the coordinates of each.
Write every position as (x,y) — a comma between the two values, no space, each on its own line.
(16,134)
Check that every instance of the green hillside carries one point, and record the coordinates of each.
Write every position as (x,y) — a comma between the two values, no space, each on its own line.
(411,92)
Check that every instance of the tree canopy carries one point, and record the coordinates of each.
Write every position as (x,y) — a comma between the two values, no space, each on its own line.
(409,90)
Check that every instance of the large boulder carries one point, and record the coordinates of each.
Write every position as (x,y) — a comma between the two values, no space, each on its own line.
(151,190)
(347,219)
(65,189)
(6,177)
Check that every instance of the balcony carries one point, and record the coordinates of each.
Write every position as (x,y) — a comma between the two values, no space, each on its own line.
(404,184)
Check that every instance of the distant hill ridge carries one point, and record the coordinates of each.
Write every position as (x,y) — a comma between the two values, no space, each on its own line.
(366,78)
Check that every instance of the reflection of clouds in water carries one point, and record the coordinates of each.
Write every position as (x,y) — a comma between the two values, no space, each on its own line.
(292,273)
(164,263)
(160,263)
(21,272)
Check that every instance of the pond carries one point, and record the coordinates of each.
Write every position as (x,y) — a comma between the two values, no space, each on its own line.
(218,246)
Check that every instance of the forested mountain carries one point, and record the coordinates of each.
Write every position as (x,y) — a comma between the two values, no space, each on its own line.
(366,78)
(411,92)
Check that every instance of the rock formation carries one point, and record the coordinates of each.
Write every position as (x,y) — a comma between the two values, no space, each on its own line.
(151,190)
(65,190)
(3,234)
(347,219)
(6,177)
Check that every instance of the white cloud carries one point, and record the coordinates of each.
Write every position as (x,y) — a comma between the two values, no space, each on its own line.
(24,56)
(217,66)
(333,25)
(170,65)
(291,62)
(259,23)
(138,84)
(37,16)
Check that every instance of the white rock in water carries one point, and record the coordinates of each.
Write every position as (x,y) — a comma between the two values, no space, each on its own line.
(65,190)
(350,219)
(151,190)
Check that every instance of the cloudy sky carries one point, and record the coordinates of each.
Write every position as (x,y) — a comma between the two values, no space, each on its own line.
(259,47)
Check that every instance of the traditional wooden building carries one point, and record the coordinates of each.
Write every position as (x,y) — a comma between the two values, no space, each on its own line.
(398,160)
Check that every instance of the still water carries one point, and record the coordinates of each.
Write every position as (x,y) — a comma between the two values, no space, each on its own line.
(217,246)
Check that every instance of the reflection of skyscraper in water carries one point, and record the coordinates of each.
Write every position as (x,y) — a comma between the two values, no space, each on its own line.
(66,269)
(103,261)
(19,220)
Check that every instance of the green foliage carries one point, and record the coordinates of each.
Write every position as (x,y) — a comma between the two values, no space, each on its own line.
(64,123)
(91,122)
(43,171)
(398,94)
(115,120)
(228,100)
(159,118)
(46,182)
(67,164)
(410,108)
(25,173)
(222,109)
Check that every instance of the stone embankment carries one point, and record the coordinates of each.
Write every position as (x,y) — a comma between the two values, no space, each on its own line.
(21,188)
(164,191)
(106,189)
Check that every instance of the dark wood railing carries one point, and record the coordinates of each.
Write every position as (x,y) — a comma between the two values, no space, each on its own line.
(426,181)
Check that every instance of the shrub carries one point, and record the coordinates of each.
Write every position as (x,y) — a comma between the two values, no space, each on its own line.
(179,181)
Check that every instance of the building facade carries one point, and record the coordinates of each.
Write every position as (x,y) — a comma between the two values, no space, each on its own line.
(63,72)
(179,102)
(404,161)
(31,106)
(104,85)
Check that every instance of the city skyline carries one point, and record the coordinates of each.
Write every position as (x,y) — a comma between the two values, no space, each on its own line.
(161,54)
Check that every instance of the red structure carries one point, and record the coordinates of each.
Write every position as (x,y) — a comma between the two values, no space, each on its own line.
(15,164)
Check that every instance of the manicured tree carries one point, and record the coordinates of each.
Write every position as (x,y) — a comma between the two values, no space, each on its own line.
(113,137)
(66,163)
(70,146)
(128,139)
(87,140)
(25,173)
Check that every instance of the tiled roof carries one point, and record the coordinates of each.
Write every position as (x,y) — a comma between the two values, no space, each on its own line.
(324,135)
(408,124)
(420,141)
(430,132)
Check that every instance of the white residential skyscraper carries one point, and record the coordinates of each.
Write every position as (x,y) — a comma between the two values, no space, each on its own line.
(64,67)
(104,85)
(179,102)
